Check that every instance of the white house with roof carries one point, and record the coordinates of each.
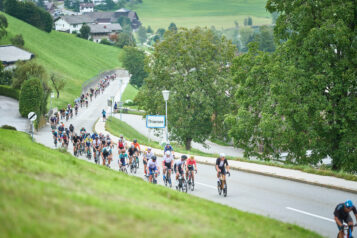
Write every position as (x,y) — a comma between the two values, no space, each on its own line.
(86,7)
(101,31)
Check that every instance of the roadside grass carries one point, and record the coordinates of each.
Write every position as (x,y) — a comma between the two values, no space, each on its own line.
(129,93)
(219,142)
(117,127)
(186,13)
(72,58)
(46,193)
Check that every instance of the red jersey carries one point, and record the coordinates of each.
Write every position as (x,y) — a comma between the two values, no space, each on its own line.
(191,162)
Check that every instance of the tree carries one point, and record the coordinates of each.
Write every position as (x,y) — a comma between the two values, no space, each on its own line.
(109,4)
(248,21)
(3,26)
(149,30)
(265,38)
(26,70)
(141,34)
(124,21)
(57,83)
(134,61)
(246,36)
(84,31)
(31,96)
(172,27)
(18,41)
(125,39)
(75,5)
(161,32)
(192,64)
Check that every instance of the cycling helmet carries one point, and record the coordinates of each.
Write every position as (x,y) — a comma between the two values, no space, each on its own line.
(121,136)
(184,157)
(168,153)
(153,157)
(135,141)
(349,204)
(221,155)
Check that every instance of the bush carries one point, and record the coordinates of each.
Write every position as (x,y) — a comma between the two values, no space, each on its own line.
(7,127)
(9,92)
(31,97)
(18,41)
(105,41)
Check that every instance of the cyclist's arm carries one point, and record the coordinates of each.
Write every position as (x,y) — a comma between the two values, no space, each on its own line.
(195,165)
(339,223)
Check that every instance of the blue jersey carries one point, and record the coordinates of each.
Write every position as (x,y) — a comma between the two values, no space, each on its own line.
(168,148)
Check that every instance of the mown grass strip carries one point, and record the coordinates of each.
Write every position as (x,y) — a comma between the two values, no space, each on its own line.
(46,193)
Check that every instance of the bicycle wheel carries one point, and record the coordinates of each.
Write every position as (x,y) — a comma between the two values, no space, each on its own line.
(225,190)
(219,188)
(192,184)
(184,187)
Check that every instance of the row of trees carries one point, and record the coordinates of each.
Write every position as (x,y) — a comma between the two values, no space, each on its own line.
(30,13)
(300,99)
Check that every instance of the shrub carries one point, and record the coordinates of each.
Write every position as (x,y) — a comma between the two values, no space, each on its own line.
(7,127)
(31,97)
(9,92)
(18,41)
(105,41)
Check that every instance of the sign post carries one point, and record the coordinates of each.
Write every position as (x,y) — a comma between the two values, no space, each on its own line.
(32,117)
(155,121)
(52,96)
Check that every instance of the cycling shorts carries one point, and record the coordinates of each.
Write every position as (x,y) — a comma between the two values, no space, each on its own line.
(144,162)
(88,143)
(152,170)
(122,161)
(190,167)
(178,169)
(347,220)
(168,165)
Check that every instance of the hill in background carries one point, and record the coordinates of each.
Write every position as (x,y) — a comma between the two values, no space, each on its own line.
(73,58)
(188,13)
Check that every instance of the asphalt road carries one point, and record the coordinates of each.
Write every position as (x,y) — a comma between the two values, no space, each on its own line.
(306,205)
(9,111)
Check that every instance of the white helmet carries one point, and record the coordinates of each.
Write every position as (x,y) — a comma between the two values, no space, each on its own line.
(168,153)
(221,155)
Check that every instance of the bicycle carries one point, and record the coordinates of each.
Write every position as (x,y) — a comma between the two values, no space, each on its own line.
(167,180)
(347,234)
(96,156)
(137,162)
(190,180)
(153,175)
(133,167)
(222,184)
(89,154)
(182,186)
(123,169)
(55,141)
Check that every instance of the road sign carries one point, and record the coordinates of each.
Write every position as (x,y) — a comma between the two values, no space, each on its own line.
(32,116)
(52,95)
(155,121)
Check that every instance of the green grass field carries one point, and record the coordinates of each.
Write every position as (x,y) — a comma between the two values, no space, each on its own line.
(46,193)
(130,92)
(188,13)
(72,58)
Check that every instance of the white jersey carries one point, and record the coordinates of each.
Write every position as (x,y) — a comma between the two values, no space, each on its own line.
(148,155)
(97,143)
(179,162)
(151,164)
(168,159)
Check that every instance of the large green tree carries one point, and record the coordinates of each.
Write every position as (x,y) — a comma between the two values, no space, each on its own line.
(31,97)
(84,31)
(141,33)
(193,65)
(3,26)
(309,86)
(134,61)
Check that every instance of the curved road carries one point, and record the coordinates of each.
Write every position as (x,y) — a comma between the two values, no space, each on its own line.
(298,203)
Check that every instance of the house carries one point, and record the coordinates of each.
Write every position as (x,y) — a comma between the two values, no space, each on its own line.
(86,7)
(74,23)
(98,2)
(99,31)
(10,54)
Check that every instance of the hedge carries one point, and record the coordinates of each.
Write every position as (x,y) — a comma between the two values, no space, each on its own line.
(9,92)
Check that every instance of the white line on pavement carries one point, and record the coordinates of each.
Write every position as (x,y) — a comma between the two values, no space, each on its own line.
(206,185)
(310,214)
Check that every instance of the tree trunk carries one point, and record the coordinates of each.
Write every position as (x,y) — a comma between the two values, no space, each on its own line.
(188,143)
(57,93)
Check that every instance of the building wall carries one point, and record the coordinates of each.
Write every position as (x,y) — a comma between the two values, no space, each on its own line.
(86,10)
(62,25)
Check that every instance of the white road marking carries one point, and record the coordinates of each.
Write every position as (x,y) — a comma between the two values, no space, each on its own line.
(206,185)
(310,214)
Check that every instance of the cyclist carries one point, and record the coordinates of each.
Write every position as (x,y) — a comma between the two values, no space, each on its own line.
(88,141)
(76,109)
(179,167)
(104,113)
(167,164)
(132,152)
(121,144)
(75,141)
(222,166)
(96,146)
(109,141)
(105,154)
(122,159)
(64,139)
(153,168)
(147,156)
(61,128)
(136,145)
(168,147)
(190,165)
(342,214)
(71,129)
(55,136)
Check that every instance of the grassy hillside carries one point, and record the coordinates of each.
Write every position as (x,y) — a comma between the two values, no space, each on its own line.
(188,13)
(46,193)
(75,59)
